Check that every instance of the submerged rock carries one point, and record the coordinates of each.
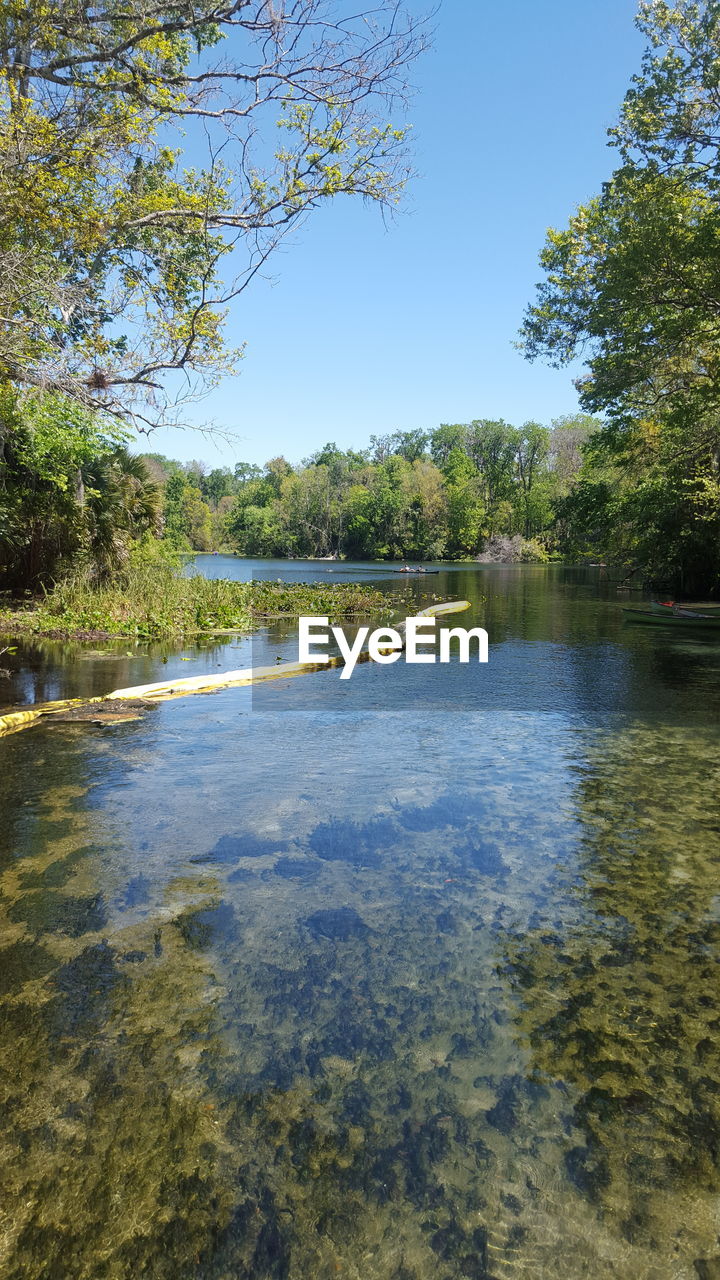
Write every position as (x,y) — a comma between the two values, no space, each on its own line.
(589,1170)
(57,873)
(357,843)
(199,926)
(484,857)
(708,1268)
(137,892)
(21,962)
(60,913)
(296,868)
(86,984)
(453,809)
(340,924)
(231,848)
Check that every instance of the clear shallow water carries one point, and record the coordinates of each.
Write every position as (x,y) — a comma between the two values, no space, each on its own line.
(313,989)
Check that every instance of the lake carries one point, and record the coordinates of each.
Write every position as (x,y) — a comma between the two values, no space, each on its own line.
(407,977)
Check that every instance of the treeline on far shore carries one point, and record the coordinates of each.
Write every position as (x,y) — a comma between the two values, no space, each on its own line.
(458,492)
(75,501)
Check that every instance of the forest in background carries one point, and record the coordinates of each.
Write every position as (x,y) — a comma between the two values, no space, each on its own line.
(631,286)
(75,500)
(112,299)
(451,493)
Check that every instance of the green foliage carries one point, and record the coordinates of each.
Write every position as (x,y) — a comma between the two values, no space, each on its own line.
(72,497)
(652,505)
(532,551)
(151,599)
(111,249)
(423,496)
(69,490)
(633,285)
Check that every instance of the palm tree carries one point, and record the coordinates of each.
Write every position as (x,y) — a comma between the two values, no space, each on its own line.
(122,503)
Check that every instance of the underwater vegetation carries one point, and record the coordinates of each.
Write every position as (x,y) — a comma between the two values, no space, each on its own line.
(452,1035)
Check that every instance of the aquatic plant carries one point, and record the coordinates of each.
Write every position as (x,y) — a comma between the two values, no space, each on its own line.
(156,601)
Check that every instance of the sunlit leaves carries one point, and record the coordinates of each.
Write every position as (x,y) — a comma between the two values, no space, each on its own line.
(116,250)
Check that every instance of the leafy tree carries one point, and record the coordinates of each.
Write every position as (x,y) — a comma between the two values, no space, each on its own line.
(244,471)
(275,472)
(634,280)
(465,507)
(447,438)
(123,504)
(160,468)
(568,437)
(492,446)
(339,502)
(633,285)
(176,526)
(112,251)
(217,484)
(69,490)
(425,502)
(410,445)
(382,447)
(532,443)
(310,511)
(324,457)
(359,524)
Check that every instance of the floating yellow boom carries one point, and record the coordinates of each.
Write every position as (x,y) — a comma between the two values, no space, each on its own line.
(165,689)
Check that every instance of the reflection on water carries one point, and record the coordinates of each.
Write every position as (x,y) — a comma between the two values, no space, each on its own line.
(309,993)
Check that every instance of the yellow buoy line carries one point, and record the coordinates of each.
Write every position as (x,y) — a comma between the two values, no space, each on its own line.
(162,690)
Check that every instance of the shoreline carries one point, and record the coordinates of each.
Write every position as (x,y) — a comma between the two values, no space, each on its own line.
(177,609)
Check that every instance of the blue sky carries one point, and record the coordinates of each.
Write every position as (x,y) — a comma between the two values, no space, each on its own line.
(368,327)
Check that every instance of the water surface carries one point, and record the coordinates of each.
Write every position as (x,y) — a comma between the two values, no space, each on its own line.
(409,976)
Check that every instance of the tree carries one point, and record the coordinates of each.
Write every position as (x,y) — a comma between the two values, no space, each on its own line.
(410,445)
(275,472)
(633,282)
(382,447)
(244,471)
(123,504)
(217,484)
(445,439)
(568,438)
(69,490)
(633,285)
(531,450)
(492,445)
(111,250)
(465,508)
(176,524)
(426,501)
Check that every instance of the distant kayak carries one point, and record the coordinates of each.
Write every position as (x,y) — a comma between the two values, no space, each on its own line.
(418,573)
(663,616)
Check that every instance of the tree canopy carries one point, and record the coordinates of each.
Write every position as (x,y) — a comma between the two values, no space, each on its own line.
(632,286)
(405,495)
(119,259)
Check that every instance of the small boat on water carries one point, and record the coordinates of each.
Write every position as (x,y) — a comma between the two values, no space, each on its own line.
(672,616)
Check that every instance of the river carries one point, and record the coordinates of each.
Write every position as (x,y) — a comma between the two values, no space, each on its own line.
(407,977)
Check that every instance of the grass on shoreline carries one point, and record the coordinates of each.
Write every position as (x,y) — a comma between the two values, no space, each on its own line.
(154,602)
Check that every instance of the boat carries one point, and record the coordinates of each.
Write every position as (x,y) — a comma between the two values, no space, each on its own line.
(667,617)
